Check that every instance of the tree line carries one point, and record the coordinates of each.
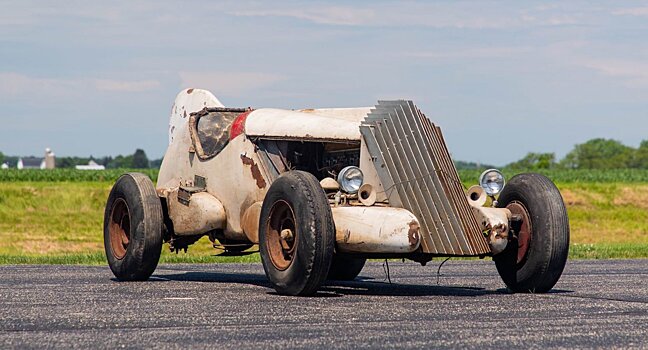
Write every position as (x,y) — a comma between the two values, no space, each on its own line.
(597,153)
(137,160)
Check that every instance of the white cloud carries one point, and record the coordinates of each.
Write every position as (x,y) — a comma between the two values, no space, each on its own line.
(634,11)
(228,83)
(479,52)
(15,85)
(632,72)
(334,15)
(126,86)
(422,14)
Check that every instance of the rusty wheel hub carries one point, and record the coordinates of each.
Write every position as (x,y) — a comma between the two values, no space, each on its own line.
(119,228)
(281,235)
(525,230)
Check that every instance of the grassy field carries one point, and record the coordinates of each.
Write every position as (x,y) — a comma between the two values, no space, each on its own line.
(110,175)
(61,222)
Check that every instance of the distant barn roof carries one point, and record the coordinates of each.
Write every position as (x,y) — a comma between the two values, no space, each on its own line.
(32,162)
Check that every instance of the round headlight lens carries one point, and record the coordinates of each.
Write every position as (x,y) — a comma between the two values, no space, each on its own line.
(350,179)
(492,181)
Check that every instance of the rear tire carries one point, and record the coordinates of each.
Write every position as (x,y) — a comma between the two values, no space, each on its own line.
(296,234)
(133,226)
(535,260)
(345,268)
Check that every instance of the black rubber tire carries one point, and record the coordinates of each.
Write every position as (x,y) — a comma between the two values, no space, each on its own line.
(542,265)
(345,268)
(314,234)
(134,196)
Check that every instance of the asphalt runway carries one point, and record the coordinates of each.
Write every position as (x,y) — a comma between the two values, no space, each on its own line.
(596,304)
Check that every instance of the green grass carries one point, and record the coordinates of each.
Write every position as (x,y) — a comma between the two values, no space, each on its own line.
(99,258)
(587,176)
(608,251)
(69,175)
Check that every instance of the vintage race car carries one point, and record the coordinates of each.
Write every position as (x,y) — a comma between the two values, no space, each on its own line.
(322,190)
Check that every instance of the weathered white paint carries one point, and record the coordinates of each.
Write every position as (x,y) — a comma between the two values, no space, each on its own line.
(187,102)
(479,195)
(250,222)
(495,220)
(204,213)
(235,187)
(351,114)
(180,164)
(287,124)
(375,230)
(370,174)
(367,194)
(330,184)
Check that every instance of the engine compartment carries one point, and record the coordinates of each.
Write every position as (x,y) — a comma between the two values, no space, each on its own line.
(322,159)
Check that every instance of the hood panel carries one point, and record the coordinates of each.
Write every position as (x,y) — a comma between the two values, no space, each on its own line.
(281,123)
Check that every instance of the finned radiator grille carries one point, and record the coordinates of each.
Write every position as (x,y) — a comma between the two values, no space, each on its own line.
(417,173)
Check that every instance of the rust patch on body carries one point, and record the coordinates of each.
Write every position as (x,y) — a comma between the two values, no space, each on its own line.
(256,173)
(189,91)
(413,233)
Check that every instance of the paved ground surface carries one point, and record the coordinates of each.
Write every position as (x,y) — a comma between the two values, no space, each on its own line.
(595,304)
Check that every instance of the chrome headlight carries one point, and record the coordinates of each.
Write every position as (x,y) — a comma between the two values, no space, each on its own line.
(350,179)
(492,181)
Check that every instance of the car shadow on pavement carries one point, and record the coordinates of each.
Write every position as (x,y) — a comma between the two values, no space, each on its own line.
(360,286)
(216,277)
(381,288)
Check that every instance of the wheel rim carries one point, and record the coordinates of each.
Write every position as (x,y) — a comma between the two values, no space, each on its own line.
(525,230)
(119,228)
(281,235)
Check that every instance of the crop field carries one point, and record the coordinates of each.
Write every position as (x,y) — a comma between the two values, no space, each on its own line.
(68,175)
(468,176)
(57,216)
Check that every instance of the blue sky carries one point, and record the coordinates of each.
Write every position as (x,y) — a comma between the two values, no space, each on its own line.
(501,78)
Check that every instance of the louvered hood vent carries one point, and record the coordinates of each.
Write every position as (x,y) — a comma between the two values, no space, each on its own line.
(417,173)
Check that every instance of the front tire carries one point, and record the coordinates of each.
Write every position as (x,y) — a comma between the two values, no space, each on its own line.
(133,224)
(345,268)
(535,259)
(296,234)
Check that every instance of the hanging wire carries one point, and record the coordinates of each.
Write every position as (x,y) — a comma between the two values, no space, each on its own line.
(439,269)
(386,270)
